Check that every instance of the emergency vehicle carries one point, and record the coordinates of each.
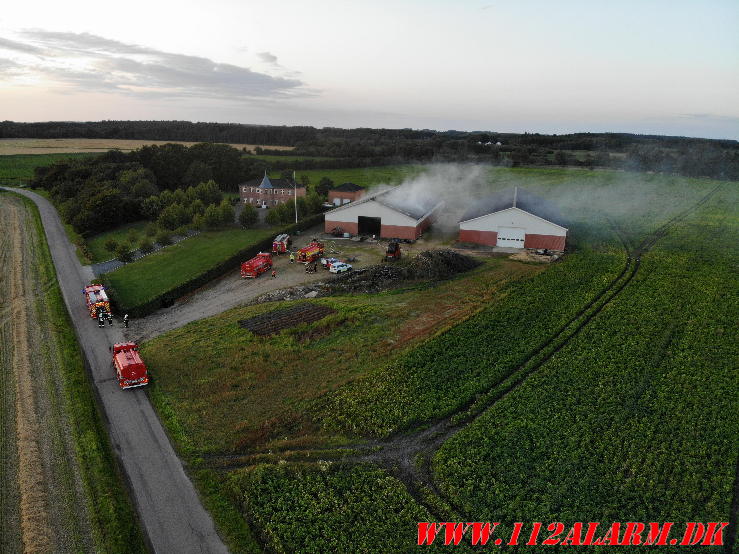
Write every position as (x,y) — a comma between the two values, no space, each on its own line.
(96,299)
(128,365)
(310,253)
(257,265)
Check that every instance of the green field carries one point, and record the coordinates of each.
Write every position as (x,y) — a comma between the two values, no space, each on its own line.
(96,244)
(275,158)
(18,169)
(364,176)
(144,279)
(598,389)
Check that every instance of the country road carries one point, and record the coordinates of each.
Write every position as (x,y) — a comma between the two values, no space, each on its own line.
(170,510)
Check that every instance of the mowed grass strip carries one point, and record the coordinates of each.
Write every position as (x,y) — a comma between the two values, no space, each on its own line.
(96,244)
(161,271)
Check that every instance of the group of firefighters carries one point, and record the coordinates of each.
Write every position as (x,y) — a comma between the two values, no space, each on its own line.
(309,268)
(104,316)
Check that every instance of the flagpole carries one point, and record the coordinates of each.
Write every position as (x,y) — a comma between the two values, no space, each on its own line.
(295,186)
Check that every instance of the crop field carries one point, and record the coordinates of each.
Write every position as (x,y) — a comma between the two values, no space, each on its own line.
(15,146)
(600,388)
(59,491)
(18,168)
(156,273)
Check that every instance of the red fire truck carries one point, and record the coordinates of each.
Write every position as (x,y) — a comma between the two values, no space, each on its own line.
(128,365)
(281,244)
(96,299)
(258,264)
(310,253)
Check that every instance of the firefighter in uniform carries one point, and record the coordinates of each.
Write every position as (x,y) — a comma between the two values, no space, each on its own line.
(125,321)
(101,318)
(110,318)
(292,257)
(274,273)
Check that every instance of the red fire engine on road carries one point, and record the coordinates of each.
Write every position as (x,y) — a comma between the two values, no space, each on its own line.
(258,264)
(310,253)
(281,244)
(96,299)
(128,365)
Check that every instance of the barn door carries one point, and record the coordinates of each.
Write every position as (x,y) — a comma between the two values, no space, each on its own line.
(511,237)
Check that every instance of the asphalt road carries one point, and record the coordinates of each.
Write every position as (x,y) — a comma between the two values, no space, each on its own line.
(170,510)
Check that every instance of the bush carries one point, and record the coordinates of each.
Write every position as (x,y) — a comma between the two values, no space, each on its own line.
(151,230)
(227,213)
(132,236)
(164,237)
(123,252)
(182,230)
(146,246)
(111,245)
(248,216)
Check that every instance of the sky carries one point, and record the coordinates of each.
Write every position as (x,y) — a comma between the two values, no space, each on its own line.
(644,66)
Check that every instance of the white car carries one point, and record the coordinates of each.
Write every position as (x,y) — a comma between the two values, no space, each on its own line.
(339,267)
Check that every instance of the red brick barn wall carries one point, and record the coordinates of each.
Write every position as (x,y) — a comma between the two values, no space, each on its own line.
(349,227)
(551,242)
(488,238)
(399,232)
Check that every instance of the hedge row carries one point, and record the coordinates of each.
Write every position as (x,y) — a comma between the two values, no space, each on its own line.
(168,298)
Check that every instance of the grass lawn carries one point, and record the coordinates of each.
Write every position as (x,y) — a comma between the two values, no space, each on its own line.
(96,244)
(157,273)
(364,176)
(19,167)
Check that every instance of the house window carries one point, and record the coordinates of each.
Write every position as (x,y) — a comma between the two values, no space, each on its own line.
(246,200)
(276,202)
(244,188)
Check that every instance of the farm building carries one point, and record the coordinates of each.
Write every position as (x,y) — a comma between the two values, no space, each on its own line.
(387,214)
(345,193)
(513,219)
(266,192)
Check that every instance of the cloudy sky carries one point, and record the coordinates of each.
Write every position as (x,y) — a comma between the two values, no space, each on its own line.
(645,66)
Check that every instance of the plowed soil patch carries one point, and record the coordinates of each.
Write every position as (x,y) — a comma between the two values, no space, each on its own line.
(277,320)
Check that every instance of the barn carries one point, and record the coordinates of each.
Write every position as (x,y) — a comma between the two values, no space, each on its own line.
(387,214)
(345,193)
(513,219)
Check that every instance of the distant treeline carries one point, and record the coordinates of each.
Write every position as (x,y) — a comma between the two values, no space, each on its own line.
(364,146)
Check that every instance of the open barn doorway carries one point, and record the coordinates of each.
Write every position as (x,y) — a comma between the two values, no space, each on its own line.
(369,225)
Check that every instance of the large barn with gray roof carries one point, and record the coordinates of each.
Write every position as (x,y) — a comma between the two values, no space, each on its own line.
(513,219)
(388,214)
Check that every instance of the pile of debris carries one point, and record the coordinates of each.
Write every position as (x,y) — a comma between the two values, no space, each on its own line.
(428,265)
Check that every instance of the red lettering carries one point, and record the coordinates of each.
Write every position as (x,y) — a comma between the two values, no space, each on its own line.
(592,528)
(454,532)
(534,534)
(658,535)
(573,537)
(427,532)
(693,533)
(611,536)
(556,529)
(715,534)
(516,532)
(632,534)
(481,532)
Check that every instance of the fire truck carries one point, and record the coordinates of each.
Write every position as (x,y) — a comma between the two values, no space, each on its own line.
(258,264)
(96,299)
(310,253)
(281,244)
(128,365)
